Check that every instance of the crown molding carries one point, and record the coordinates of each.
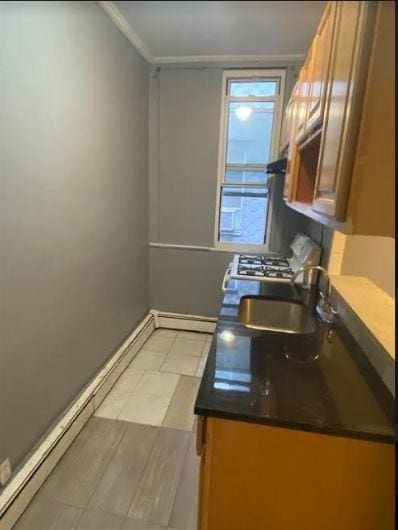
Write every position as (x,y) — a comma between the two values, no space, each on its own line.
(209,59)
(145,52)
(127,30)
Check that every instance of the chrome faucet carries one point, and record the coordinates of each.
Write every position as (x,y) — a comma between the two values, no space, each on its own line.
(324,308)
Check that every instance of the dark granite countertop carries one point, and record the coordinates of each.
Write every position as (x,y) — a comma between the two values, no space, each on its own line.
(322,382)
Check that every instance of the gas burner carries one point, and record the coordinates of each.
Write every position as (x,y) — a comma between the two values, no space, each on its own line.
(285,274)
(245,270)
(276,262)
(249,259)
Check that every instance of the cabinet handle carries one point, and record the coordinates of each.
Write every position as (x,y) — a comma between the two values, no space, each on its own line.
(200,435)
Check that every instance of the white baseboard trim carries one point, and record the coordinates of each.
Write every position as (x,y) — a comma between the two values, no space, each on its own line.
(184,322)
(18,493)
(21,489)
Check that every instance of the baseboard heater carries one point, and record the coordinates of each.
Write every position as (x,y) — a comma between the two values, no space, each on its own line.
(22,487)
(184,322)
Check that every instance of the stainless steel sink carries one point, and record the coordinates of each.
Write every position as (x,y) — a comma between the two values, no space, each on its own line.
(282,316)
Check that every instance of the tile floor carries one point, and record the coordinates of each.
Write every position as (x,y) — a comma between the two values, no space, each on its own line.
(133,466)
(160,385)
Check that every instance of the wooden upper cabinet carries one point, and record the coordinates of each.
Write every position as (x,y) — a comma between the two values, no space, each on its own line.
(292,109)
(320,68)
(343,99)
(302,98)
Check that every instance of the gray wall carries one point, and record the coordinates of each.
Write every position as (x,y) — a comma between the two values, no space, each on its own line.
(73,210)
(185,105)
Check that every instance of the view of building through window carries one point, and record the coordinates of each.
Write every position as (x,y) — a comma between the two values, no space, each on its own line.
(249,107)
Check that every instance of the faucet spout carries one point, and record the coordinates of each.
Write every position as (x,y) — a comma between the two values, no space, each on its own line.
(324,307)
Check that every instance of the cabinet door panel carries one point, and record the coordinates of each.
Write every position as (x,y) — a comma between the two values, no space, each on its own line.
(337,113)
(303,97)
(320,67)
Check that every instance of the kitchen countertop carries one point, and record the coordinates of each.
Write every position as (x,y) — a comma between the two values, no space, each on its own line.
(322,382)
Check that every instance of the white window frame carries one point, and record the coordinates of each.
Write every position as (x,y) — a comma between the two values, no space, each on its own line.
(279,74)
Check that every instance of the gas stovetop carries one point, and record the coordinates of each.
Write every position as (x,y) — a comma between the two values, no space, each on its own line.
(264,267)
(263,261)
(276,268)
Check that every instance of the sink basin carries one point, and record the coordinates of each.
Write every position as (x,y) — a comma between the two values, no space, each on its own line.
(282,316)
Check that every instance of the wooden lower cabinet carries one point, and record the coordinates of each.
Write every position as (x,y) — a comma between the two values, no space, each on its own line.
(257,477)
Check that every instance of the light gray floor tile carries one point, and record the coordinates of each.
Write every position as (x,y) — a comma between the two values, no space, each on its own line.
(184,515)
(97,520)
(191,335)
(118,484)
(159,383)
(187,347)
(201,367)
(46,515)
(133,524)
(180,364)
(156,492)
(149,409)
(77,474)
(180,415)
(113,403)
(129,378)
(159,343)
(206,349)
(148,360)
(168,333)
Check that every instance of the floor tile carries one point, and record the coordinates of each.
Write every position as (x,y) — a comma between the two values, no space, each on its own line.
(46,515)
(75,477)
(180,414)
(168,333)
(157,489)
(113,403)
(148,360)
(97,520)
(149,409)
(201,367)
(129,378)
(180,364)
(187,347)
(184,515)
(206,349)
(133,524)
(119,483)
(159,343)
(191,335)
(159,383)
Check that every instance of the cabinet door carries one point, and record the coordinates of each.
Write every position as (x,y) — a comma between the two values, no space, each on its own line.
(320,68)
(343,105)
(292,149)
(303,97)
(286,126)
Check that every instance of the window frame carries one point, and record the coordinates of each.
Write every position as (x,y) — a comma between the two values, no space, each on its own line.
(226,99)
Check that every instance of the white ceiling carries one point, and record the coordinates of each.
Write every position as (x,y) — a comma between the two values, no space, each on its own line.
(183,31)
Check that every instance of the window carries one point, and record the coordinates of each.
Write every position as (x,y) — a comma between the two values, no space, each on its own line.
(249,139)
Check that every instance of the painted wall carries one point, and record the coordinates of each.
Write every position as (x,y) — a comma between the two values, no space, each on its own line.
(369,256)
(73,210)
(185,105)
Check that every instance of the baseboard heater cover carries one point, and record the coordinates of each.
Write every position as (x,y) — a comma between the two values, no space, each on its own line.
(183,322)
(22,487)
(19,492)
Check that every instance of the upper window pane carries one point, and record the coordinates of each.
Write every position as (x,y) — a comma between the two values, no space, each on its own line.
(249,132)
(260,89)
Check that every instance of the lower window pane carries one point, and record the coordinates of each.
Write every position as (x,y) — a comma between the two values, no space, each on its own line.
(243,215)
